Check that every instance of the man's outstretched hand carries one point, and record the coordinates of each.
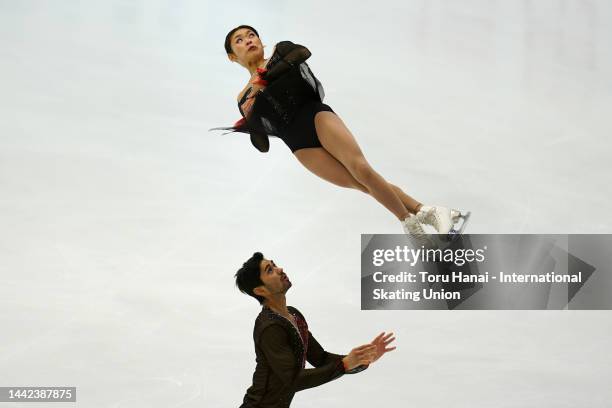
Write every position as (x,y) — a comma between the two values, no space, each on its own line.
(381,342)
(358,356)
(369,353)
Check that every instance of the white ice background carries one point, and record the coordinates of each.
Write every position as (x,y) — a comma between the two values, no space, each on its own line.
(123,220)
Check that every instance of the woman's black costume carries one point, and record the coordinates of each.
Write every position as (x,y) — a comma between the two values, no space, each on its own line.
(287,105)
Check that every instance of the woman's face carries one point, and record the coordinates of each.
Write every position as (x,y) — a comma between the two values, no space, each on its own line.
(246,46)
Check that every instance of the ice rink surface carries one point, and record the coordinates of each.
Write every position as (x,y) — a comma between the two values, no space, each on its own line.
(123,220)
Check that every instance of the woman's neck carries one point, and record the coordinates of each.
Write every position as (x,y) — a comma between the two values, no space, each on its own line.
(257,64)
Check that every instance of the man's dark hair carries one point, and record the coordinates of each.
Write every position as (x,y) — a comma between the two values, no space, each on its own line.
(248,277)
(228,37)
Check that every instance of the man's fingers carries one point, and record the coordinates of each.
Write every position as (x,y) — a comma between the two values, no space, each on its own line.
(390,349)
(391,340)
(377,338)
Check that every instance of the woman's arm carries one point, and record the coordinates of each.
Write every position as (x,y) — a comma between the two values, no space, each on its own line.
(259,139)
(291,55)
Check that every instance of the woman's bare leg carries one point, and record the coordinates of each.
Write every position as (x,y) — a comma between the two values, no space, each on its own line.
(410,203)
(324,165)
(340,143)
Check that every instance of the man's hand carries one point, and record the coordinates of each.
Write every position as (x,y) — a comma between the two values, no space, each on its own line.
(381,342)
(361,355)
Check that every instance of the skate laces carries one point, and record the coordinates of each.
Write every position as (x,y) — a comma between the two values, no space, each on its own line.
(431,217)
(412,225)
(441,218)
(416,233)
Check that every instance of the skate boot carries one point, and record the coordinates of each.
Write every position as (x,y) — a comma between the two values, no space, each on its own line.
(443,220)
(415,232)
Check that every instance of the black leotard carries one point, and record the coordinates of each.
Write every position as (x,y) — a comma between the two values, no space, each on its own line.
(288,103)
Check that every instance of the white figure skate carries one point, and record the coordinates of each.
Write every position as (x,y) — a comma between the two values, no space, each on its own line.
(415,232)
(443,220)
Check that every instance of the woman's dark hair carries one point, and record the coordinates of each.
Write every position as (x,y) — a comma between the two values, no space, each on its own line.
(228,37)
(247,277)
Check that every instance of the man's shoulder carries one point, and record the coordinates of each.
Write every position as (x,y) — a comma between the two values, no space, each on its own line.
(295,310)
(267,318)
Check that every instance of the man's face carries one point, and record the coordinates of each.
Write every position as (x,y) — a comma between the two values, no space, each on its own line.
(274,278)
(246,46)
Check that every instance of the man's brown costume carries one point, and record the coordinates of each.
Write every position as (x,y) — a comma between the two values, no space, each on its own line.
(282,350)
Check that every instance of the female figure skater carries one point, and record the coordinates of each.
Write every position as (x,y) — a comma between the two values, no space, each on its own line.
(283,98)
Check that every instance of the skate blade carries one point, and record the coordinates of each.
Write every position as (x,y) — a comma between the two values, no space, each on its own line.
(456,215)
(456,232)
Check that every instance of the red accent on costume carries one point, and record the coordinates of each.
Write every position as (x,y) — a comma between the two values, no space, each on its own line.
(239,123)
(260,80)
(303,329)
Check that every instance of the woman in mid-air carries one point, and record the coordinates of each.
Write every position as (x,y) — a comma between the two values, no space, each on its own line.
(283,98)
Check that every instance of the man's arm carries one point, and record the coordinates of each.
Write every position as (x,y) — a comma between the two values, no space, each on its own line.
(317,356)
(274,343)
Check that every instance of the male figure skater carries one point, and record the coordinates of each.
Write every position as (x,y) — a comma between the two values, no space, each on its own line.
(283,342)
